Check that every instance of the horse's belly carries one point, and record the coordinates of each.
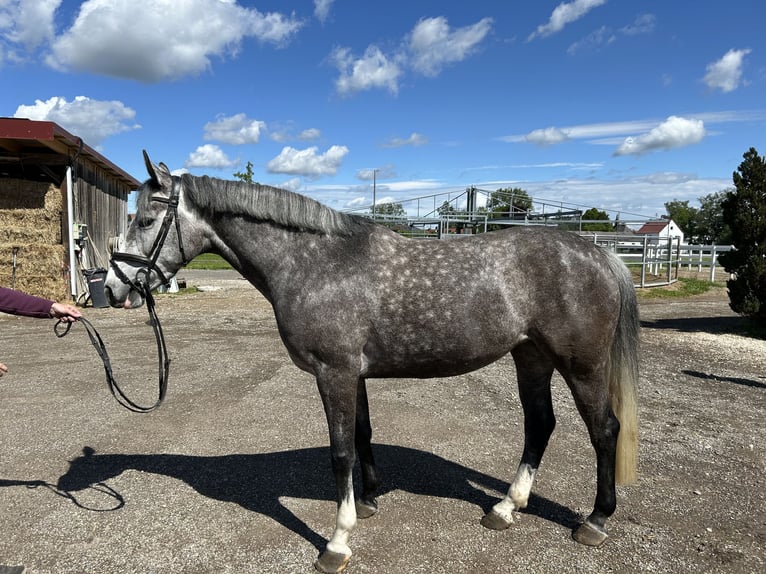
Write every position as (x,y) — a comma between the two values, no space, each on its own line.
(425,357)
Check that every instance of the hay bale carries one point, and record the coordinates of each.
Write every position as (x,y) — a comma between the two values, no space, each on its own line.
(22,194)
(31,223)
(39,270)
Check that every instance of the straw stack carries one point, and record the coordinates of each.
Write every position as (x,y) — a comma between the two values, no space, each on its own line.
(31,219)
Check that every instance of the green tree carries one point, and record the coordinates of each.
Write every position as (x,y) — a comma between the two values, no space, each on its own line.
(711,227)
(509,200)
(744,210)
(390,209)
(506,203)
(247,175)
(446,208)
(685,217)
(594,214)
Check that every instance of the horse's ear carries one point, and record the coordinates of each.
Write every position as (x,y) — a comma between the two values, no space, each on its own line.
(159,174)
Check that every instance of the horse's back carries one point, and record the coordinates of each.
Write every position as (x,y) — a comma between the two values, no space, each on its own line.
(464,303)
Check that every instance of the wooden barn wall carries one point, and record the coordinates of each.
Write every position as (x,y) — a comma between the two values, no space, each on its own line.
(100,202)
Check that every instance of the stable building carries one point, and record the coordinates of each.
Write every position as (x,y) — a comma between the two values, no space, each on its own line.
(63,210)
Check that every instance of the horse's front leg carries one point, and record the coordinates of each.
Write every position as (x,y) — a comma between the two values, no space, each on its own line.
(338,390)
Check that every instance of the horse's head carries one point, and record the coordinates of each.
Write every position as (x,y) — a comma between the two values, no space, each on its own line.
(154,245)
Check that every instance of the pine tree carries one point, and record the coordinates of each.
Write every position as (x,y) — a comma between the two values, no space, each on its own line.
(744,210)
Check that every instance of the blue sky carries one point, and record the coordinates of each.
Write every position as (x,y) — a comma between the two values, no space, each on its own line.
(620,105)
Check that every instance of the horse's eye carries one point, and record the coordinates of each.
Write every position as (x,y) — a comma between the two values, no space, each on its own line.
(145,222)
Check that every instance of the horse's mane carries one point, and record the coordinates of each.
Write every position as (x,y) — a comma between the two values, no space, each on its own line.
(266,203)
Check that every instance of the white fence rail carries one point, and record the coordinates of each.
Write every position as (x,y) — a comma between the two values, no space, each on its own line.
(657,261)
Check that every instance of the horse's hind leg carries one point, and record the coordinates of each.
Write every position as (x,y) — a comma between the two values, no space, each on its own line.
(534,371)
(590,391)
(366,505)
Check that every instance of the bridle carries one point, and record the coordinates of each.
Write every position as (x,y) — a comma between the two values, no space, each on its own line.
(149,264)
(142,284)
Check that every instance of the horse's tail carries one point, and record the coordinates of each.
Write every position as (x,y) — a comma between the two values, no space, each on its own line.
(623,375)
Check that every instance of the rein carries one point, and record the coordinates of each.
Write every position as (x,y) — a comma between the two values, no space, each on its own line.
(140,283)
(98,344)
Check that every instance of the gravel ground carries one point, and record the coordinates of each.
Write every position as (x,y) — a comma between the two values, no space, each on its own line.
(232,474)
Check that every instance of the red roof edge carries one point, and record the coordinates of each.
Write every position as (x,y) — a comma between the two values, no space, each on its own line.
(23,128)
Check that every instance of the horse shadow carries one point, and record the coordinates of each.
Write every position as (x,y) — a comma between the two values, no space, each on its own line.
(713,325)
(257,481)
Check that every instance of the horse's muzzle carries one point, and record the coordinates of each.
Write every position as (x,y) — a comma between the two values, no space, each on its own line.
(132,300)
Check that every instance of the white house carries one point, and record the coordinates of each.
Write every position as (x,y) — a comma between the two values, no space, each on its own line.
(662,228)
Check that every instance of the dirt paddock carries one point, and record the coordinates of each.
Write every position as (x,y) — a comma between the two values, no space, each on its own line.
(231,475)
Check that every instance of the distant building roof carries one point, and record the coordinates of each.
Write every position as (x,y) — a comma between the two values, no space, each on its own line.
(41,150)
(652,227)
(662,228)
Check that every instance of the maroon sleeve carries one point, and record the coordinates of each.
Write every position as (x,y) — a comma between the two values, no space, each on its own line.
(18,303)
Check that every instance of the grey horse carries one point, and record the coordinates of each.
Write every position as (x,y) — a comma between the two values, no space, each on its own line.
(354,300)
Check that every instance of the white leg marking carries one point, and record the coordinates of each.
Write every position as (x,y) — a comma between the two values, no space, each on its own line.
(518,493)
(344,523)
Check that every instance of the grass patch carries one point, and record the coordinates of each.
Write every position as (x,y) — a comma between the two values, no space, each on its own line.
(685,287)
(209,262)
(184,291)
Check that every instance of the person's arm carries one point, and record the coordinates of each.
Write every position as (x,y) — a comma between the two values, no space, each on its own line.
(18,303)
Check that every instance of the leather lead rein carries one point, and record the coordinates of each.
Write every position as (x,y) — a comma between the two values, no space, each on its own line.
(98,343)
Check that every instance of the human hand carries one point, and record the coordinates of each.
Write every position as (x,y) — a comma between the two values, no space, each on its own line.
(3,369)
(65,313)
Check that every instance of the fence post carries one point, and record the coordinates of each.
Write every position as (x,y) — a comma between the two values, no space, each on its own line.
(713,261)
(643,262)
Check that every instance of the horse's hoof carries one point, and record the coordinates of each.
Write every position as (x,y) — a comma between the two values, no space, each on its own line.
(332,562)
(495,521)
(366,508)
(589,535)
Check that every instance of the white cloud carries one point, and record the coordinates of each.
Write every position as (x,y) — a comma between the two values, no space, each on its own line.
(415,139)
(378,173)
(235,130)
(152,40)
(547,136)
(553,135)
(565,13)
(614,133)
(726,73)
(292,184)
(309,134)
(210,156)
(606,36)
(672,133)
(643,24)
(27,24)
(285,132)
(308,162)
(373,70)
(433,45)
(322,9)
(92,120)
(427,49)
(357,202)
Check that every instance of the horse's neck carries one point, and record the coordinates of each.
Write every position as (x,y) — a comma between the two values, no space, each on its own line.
(266,254)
